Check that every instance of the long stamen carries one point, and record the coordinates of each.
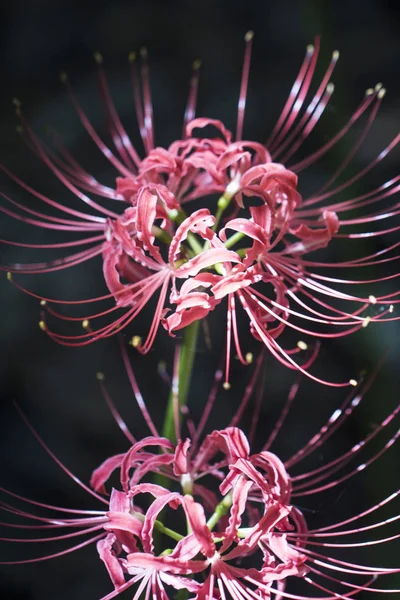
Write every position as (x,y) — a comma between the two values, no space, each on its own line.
(190,110)
(244,84)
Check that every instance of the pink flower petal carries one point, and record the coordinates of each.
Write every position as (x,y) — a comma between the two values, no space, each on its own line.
(197,520)
(103,472)
(181,457)
(201,122)
(107,555)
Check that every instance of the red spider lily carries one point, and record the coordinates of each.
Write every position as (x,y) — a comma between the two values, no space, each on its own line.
(257,256)
(241,535)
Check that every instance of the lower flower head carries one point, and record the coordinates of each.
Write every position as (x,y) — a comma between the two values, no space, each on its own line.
(209,515)
(248,515)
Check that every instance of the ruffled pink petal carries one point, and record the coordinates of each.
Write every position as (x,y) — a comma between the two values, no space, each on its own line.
(108,556)
(234,282)
(273,514)
(111,257)
(314,238)
(119,501)
(103,472)
(146,215)
(239,500)
(181,457)
(128,188)
(172,499)
(206,259)
(140,561)
(202,219)
(202,122)
(246,227)
(152,464)
(132,454)
(184,317)
(197,521)
(287,554)
(123,522)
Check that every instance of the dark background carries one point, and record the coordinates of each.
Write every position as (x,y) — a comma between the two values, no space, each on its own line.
(56,386)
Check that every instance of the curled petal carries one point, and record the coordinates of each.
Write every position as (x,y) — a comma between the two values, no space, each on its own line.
(201,122)
(239,500)
(128,188)
(187,313)
(134,452)
(197,520)
(123,522)
(314,238)
(147,561)
(274,513)
(108,556)
(234,282)
(103,472)
(200,219)
(111,258)
(173,499)
(206,259)
(287,554)
(119,501)
(181,458)
(146,215)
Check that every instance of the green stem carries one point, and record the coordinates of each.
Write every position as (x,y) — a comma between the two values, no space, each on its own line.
(188,353)
(158,526)
(231,241)
(220,510)
(224,201)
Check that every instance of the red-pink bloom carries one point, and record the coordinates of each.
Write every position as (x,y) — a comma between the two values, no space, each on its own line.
(253,249)
(233,528)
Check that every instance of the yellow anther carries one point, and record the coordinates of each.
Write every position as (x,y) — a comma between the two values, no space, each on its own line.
(85,323)
(249,36)
(226,385)
(378,86)
(98,58)
(9,276)
(391,308)
(132,56)
(366,322)
(143,52)
(63,77)
(310,49)
(369,91)
(43,303)
(42,325)
(249,358)
(197,64)
(353,382)
(302,345)
(136,341)
(381,93)
(162,366)
(330,88)
(372,299)
(100,376)
(335,54)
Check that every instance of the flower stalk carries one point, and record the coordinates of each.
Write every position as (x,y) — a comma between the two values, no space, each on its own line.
(179,392)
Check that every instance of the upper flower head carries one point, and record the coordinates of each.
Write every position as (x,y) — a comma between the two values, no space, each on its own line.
(251,246)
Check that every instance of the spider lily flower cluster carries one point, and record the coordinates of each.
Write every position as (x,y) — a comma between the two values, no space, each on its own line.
(249,248)
(231,506)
